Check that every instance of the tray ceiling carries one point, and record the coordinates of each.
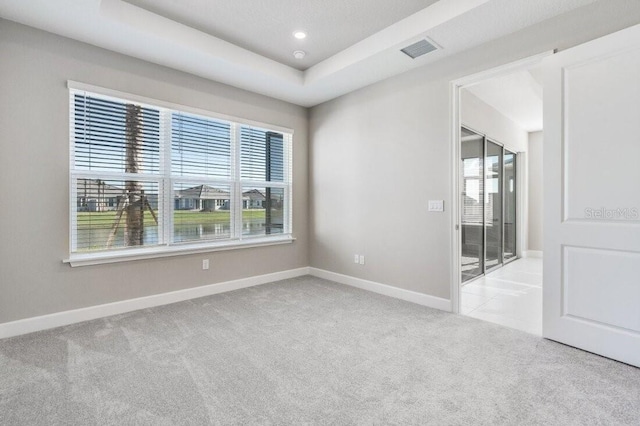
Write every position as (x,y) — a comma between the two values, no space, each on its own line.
(179,43)
(266,27)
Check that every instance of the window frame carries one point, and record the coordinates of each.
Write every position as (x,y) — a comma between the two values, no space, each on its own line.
(166,180)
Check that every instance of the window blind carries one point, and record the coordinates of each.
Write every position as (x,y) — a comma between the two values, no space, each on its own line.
(200,146)
(261,155)
(144,175)
(100,135)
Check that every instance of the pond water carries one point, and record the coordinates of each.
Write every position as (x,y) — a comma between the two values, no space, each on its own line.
(95,238)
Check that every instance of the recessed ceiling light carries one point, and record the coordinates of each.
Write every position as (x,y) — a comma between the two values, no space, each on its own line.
(299,54)
(300,35)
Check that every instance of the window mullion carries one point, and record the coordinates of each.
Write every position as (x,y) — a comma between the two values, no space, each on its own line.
(264,183)
(73,223)
(89,174)
(167,183)
(237,185)
(288,178)
(211,152)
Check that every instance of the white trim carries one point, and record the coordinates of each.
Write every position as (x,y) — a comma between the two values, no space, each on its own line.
(384,289)
(155,103)
(288,204)
(59,319)
(236,189)
(125,255)
(45,322)
(456,123)
(533,253)
(166,181)
(501,70)
(522,200)
(455,230)
(72,188)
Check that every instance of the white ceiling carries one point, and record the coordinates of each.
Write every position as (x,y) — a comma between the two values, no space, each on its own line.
(455,25)
(517,96)
(266,27)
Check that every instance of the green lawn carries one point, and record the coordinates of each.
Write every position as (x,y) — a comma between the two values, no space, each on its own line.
(105,219)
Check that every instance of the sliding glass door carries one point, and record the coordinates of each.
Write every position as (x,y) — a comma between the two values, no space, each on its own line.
(472,181)
(493,205)
(509,192)
(488,204)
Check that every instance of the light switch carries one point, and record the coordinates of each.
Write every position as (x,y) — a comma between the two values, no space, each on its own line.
(436,205)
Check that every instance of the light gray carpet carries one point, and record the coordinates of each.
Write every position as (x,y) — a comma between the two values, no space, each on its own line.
(305,351)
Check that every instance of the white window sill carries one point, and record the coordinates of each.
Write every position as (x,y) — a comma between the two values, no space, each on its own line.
(168,251)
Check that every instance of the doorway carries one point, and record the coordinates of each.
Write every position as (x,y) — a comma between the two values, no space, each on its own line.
(497,279)
(591,260)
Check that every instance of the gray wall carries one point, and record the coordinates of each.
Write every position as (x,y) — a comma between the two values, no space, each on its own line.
(378,154)
(34,138)
(483,118)
(535,190)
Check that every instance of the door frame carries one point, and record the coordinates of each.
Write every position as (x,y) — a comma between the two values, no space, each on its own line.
(454,135)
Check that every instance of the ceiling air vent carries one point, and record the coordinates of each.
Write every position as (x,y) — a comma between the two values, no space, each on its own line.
(419,48)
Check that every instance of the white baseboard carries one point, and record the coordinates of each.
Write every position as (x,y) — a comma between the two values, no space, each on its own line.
(45,322)
(387,290)
(533,253)
(59,319)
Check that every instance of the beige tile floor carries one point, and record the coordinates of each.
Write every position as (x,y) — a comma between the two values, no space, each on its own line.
(510,296)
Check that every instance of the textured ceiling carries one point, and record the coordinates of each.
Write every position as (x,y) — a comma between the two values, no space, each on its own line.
(266,27)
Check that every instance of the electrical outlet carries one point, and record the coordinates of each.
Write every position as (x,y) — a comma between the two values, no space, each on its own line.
(361,259)
(205,264)
(356,258)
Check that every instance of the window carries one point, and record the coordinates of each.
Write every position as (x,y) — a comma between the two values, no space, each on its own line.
(152,178)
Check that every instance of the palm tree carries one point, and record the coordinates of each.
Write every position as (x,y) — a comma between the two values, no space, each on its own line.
(134,228)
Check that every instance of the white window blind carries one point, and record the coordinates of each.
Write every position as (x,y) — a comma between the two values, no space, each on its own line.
(100,135)
(145,176)
(200,146)
(262,155)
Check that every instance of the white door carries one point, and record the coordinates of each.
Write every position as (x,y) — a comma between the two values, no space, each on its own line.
(592,196)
